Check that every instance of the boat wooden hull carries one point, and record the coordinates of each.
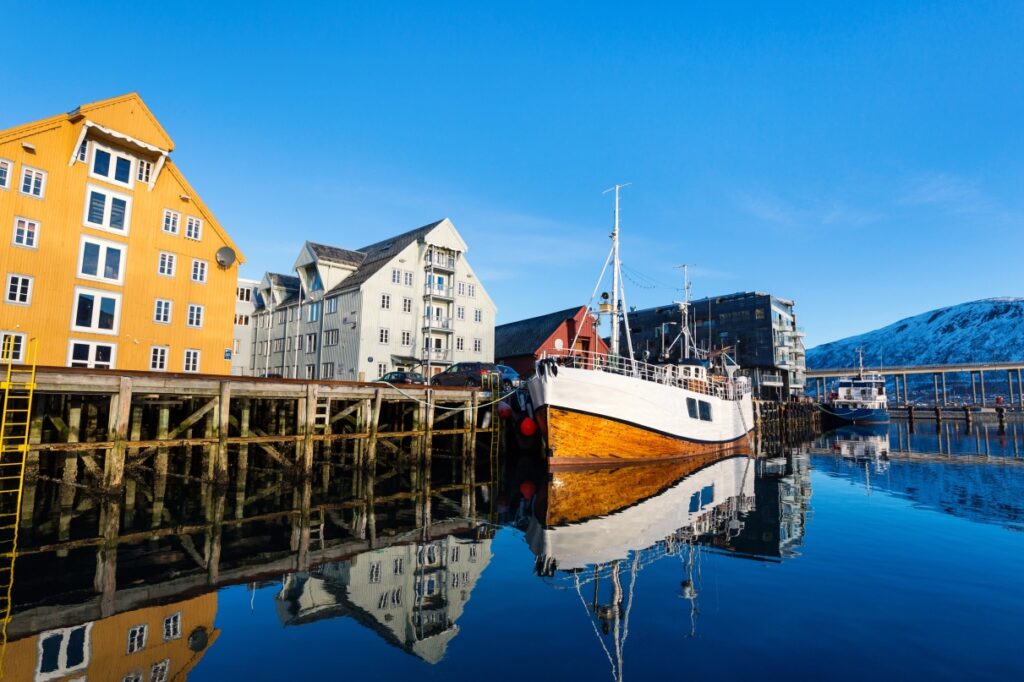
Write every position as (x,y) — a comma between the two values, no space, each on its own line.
(580,439)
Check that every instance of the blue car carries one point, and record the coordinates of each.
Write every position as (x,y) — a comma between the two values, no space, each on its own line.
(509,377)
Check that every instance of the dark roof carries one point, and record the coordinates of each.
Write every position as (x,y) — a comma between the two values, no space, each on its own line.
(332,254)
(285,281)
(379,254)
(526,336)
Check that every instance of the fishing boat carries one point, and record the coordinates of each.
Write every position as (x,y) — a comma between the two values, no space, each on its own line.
(595,408)
(858,399)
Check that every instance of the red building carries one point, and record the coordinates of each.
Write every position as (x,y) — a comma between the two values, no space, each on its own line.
(520,344)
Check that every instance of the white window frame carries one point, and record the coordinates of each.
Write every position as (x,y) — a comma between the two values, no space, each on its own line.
(460,288)
(194,222)
(382,369)
(406,304)
(7,288)
(62,657)
(460,312)
(478,345)
(407,278)
(313,312)
(310,345)
(311,371)
(172,259)
(175,620)
(33,230)
(42,185)
(194,308)
(406,338)
(396,276)
(95,146)
(384,336)
(327,370)
(203,269)
(22,338)
(98,293)
(91,362)
(198,356)
(9,165)
(159,671)
(471,290)
(107,208)
(330,337)
(332,305)
(172,218)
(163,355)
(478,315)
(144,170)
(385,301)
(460,343)
(169,309)
(105,246)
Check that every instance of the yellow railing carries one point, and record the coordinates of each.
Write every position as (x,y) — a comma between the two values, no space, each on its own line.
(18,386)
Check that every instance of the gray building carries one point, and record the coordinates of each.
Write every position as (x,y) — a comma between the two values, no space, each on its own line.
(760,329)
(408,302)
(246,296)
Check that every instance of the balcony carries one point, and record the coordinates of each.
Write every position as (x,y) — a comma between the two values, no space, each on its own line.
(438,291)
(768,379)
(437,324)
(437,354)
(439,261)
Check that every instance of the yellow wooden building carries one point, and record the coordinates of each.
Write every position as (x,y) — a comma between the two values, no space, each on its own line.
(108,255)
(151,644)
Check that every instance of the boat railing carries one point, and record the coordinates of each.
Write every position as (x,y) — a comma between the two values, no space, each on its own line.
(669,375)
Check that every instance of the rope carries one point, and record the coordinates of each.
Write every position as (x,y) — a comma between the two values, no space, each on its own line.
(442,407)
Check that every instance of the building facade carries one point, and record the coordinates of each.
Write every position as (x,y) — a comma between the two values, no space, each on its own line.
(759,328)
(246,296)
(520,344)
(408,302)
(111,259)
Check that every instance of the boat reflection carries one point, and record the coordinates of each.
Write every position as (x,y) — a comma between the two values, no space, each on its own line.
(867,444)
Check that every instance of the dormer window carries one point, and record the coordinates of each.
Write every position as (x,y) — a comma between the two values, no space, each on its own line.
(112,166)
(316,284)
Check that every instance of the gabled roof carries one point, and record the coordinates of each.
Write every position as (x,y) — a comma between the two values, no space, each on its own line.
(333,254)
(289,282)
(380,254)
(526,336)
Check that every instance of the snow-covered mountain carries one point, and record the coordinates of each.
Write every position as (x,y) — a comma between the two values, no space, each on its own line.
(989,330)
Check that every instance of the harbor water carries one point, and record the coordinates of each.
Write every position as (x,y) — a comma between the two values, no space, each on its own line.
(890,554)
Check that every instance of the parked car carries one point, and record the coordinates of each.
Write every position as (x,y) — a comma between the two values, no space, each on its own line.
(398,378)
(509,377)
(465,374)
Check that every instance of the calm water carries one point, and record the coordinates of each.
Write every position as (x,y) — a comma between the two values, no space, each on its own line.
(889,555)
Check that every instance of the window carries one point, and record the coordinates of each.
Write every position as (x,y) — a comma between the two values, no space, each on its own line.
(137,638)
(310,371)
(399,566)
(158,363)
(107,210)
(111,165)
(382,369)
(62,652)
(191,360)
(327,370)
(193,228)
(310,344)
(166,264)
(407,305)
(195,315)
(199,270)
(298,342)
(691,407)
(460,343)
(145,171)
(406,338)
(461,287)
(162,311)
(158,671)
(332,305)
(705,410)
(19,289)
(384,336)
(133,676)
(13,344)
(477,345)
(91,354)
(244,294)
(277,345)
(331,337)
(96,311)
(460,312)
(83,152)
(375,571)
(33,182)
(172,626)
(471,290)
(101,260)
(172,221)
(396,276)
(478,315)
(241,320)
(26,232)
(385,301)
(313,312)
(6,171)
(407,278)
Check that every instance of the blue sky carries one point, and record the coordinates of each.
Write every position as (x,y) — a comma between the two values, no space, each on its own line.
(864,159)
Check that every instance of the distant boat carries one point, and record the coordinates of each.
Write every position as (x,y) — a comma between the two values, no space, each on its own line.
(598,408)
(858,399)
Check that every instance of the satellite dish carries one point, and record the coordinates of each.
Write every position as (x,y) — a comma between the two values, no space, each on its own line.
(225,256)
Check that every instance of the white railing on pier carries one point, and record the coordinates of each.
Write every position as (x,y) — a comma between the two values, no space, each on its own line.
(669,375)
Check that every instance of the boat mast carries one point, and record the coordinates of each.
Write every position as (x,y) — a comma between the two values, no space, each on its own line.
(616,274)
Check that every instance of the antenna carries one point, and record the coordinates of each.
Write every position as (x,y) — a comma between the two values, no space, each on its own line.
(687,338)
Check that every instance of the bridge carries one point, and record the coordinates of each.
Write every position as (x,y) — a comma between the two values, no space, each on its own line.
(1001,375)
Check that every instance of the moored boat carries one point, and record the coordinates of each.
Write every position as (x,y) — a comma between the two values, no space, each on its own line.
(858,399)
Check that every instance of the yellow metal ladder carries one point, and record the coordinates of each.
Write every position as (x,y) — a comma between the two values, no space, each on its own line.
(18,386)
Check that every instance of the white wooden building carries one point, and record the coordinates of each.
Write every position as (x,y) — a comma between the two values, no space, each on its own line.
(408,302)
(246,296)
